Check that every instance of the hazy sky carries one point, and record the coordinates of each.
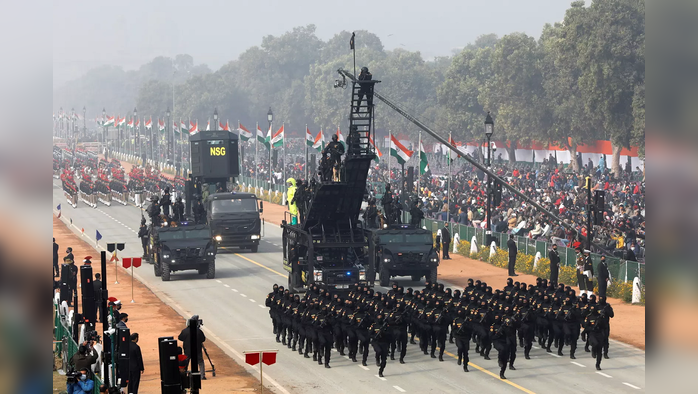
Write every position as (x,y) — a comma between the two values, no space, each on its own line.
(129,33)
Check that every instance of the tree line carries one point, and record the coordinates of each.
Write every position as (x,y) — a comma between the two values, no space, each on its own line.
(582,79)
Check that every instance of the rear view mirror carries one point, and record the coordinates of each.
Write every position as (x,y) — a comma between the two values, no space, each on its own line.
(261,206)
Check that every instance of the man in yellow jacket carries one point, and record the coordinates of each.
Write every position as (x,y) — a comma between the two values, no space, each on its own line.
(290,193)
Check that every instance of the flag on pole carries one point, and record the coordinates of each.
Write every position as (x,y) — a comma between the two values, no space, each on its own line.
(245,134)
(114,257)
(182,127)
(59,210)
(423,163)
(161,125)
(341,138)
(208,125)
(138,122)
(378,156)
(121,121)
(149,123)
(98,236)
(109,121)
(194,128)
(261,138)
(309,140)
(453,144)
(278,139)
(398,151)
(319,141)
(222,127)
(130,124)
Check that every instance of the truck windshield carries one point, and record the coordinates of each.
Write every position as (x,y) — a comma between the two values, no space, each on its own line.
(188,234)
(422,239)
(234,205)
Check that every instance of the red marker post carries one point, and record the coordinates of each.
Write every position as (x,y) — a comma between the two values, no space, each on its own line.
(131,262)
(253,357)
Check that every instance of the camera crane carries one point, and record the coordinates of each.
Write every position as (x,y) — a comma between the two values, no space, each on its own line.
(345,74)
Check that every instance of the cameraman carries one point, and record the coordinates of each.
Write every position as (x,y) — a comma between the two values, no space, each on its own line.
(84,358)
(81,383)
(184,336)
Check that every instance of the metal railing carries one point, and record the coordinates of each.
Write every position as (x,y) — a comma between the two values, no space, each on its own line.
(622,270)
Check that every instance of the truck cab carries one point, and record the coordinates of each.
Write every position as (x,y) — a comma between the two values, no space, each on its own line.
(234,219)
(185,247)
(404,250)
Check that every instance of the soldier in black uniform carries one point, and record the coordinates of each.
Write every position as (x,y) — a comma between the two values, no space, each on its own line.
(199,212)
(323,327)
(527,327)
(462,331)
(361,323)
(603,276)
(440,324)
(594,330)
(144,236)
(371,214)
(165,202)
(397,212)
(299,198)
(380,336)
(397,321)
(335,150)
(364,75)
(154,212)
(178,210)
(446,240)
(56,272)
(416,214)
(338,334)
(270,303)
(606,312)
(387,201)
(554,257)
(499,331)
(570,325)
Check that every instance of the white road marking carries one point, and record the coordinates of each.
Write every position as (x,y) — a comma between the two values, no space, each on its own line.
(243,295)
(398,388)
(261,306)
(251,300)
(218,281)
(226,285)
(578,364)
(631,385)
(235,290)
(362,367)
(383,379)
(603,374)
(554,355)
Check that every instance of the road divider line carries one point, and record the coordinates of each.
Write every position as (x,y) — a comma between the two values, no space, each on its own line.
(261,306)
(251,300)
(555,355)
(362,367)
(261,265)
(242,295)
(218,280)
(603,374)
(631,385)
(235,290)
(227,286)
(400,389)
(578,364)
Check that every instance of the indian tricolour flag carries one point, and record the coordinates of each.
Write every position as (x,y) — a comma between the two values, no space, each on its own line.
(341,138)
(161,125)
(378,153)
(309,140)
(398,151)
(261,138)
(319,141)
(194,128)
(149,123)
(121,122)
(423,162)
(109,122)
(225,127)
(183,127)
(130,124)
(277,140)
(245,134)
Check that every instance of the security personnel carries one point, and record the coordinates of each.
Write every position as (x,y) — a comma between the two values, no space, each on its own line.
(299,199)
(323,327)
(371,214)
(199,212)
(498,331)
(335,149)
(440,324)
(178,210)
(380,338)
(270,303)
(365,90)
(361,323)
(527,327)
(462,332)
(291,200)
(588,271)
(398,329)
(166,201)
(446,240)
(604,277)
(570,326)
(143,235)
(56,273)
(387,201)
(593,329)
(606,312)
(511,245)
(338,334)
(554,257)
(416,214)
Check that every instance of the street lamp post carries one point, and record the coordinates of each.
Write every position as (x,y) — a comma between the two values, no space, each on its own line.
(169,151)
(104,132)
(84,121)
(72,130)
(489,130)
(136,139)
(215,119)
(270,118)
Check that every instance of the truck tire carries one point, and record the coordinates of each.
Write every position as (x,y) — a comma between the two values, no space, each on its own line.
(211,273)
(416,278)
(156,268)
(432,274)
(254,249)
(165,274)
(385,277)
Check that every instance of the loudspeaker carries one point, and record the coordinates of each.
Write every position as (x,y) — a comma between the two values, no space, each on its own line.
(497,194)
(599,204)
(169,364)
(124,346)
(89,308)
(275,156)
(64,287)
(313,163)
(410,179)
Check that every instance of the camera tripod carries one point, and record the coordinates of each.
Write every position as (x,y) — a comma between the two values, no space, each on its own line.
(213,367)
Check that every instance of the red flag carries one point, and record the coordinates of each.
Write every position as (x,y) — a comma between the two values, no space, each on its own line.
(127,262)
(252,358)
(136,262)
(114,257)
(269,358)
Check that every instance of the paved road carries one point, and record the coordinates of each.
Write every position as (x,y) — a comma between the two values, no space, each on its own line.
(235,318)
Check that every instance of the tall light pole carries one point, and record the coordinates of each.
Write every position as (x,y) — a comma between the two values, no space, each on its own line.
(489,130)
(270,118)
(84,121)
(72,130)
(136,139)
(169,152)
(104,131)
(215,119)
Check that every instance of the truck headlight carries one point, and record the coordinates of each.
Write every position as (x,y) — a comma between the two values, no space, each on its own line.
(434,259)
(362,275)
(218,238)
(255,237)
(166,255)
(210,253)
(317,274)
(386,260)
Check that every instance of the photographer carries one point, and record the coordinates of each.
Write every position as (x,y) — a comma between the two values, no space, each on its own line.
(184,336)
(84,358)
(80,382)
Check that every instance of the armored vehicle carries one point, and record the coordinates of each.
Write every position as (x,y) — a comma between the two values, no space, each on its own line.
(234,219)
(405,250)
(186,247)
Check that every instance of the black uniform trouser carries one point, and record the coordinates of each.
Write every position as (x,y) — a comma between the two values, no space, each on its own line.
(553,276)
(353,342)
(446,248)
(512,264)
(381,349)
(56,272)
(324,345)
(274,320)
(511,345)
(571,333)
(603,285)
(364,340)
(483,339)
(543,328)
(596,340)
(399,340)
(338,336)
(606,333)
(425,339)
(502,346)
(134,380)
(440,333)
(526,334)
(463,345)
(558,335)
(144,245)
(309,335)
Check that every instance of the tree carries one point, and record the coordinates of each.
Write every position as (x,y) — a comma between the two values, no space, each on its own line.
(638,133)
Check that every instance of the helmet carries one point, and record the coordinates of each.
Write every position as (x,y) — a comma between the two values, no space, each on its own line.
(364,69)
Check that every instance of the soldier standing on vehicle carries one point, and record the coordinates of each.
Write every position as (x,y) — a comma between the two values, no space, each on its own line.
(165,202)
(143,235)
(178,210)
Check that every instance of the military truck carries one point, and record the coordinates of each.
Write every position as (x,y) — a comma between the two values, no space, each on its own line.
(234,219)
(186,247)
(404,250)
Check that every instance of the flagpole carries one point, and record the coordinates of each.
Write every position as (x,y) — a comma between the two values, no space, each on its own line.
(256,159)
(242,163)
(306,152)
(448,201)
(390,141)
(271,147)
(283,141)
(419,163)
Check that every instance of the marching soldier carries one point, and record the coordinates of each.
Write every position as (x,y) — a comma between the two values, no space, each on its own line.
(398,324)
(606,312)
(593,329)
(498,331)
(462,333)
(323,327)
(380,335)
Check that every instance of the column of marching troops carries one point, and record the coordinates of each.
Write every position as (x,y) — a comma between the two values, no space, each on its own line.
(506,319)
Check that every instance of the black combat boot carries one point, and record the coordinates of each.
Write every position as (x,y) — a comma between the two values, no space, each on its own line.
(511,366)
(460,360)
(314,356)
(402,360)
(327,365)
(605,355)
(598,366)
(465,367)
